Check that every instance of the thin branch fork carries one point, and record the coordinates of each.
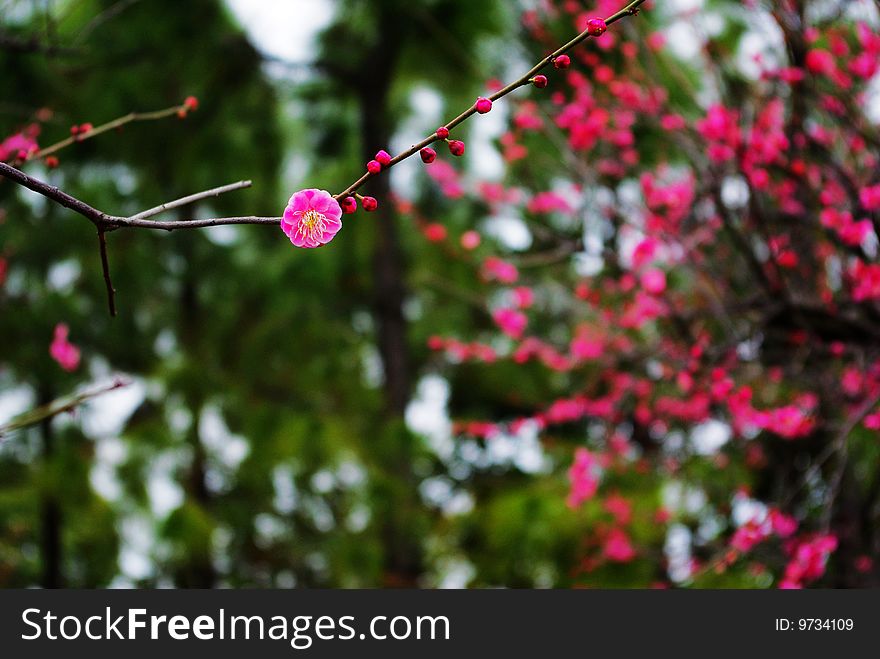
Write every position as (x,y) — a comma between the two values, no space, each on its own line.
(104,222)
(838,445)
(108,222)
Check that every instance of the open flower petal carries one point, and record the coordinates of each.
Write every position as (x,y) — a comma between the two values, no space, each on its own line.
(312,218)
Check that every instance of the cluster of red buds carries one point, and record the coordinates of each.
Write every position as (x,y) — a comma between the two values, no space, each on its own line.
(190,103)
(79,132)
(483,105)
(350,204)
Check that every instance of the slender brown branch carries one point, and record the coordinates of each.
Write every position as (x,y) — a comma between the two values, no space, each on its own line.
(171,225)
(183,201)
(630,10)
(58,406)
(51,192)
(837,445)
(111,125)
(108,222)
(105,267)
(106,15)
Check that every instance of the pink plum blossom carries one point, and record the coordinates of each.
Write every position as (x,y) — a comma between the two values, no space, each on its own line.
(783,525)
(470,240)
(435,232)
(618,547)
(620,507)
(748,535)
(720,128)
(312,218)
(654,281)
(19,142)
(789,421)
(62,351)
(446,176)
(584,477)
(870,197)
(820,61)
(808,560)
(549,202)
(866,281)
(584,347)
(511,322)
(524,297)
(500,270)
(644,252)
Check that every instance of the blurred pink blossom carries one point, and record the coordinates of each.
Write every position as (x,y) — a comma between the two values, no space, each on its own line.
(65,353)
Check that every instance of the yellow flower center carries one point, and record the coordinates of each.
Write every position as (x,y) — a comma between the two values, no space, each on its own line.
(312,224)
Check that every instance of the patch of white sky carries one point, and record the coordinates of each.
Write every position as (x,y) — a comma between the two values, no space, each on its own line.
(284,30)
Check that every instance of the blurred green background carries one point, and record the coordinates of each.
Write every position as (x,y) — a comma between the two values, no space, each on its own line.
(285,422)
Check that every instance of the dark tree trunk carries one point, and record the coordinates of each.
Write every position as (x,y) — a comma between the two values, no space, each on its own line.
(403,563)
(50,512)
(389,291)
(852,523)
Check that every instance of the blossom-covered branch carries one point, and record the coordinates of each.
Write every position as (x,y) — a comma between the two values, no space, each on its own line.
(87,131)
(23,147)
(313,217)
(558,58)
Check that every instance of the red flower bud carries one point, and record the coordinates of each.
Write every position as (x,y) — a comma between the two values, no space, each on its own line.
(456,148)
(374,167)
(349,205)
(443,132)
(370,204)
(596,27)
(74,130)
(483,105)
(191,103)
(428,154)
(540,81)
(51,162)
(562,62)
(383,158)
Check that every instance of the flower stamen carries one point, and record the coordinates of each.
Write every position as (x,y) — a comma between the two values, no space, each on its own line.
(312,224)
